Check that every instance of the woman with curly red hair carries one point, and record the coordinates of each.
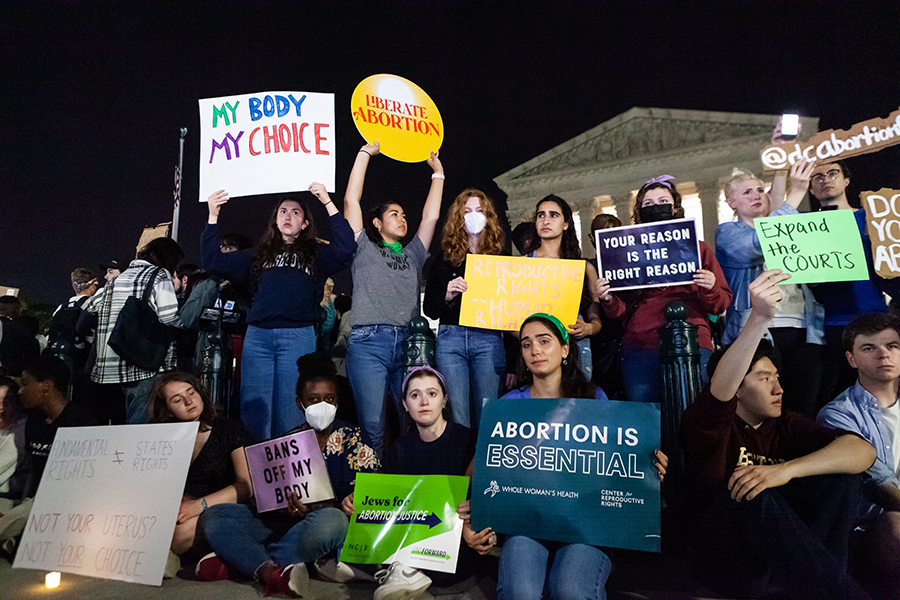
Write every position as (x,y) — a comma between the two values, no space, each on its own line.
(472,359)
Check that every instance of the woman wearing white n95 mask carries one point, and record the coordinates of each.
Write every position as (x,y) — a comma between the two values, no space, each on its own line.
(473,360)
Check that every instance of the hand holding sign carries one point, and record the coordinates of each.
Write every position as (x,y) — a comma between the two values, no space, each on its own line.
(214,204)
(455,288)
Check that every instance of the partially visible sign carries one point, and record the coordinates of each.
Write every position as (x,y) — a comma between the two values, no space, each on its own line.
(505,290)
(831,145)
(292,463)
(883,225)
(649,254)
(151,233)
(399,115)
(8,291)
(814,247)
(571,470)
(108,500)
(266,143)
(407,518)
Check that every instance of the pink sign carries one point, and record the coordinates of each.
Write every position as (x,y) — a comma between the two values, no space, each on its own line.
(292,463)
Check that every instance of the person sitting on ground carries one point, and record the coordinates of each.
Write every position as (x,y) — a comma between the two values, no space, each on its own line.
(435,447)
(774,495)
(13,461)
(528,567)
(44,389)
(870,409)
(218,473)
(272,547)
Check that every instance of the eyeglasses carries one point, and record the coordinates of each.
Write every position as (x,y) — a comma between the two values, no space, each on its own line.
(830,176)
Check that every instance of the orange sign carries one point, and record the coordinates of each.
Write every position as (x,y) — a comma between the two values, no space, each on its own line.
(399,115)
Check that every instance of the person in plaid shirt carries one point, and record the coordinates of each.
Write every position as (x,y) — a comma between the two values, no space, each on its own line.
(130,382)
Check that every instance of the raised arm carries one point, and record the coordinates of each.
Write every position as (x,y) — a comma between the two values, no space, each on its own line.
(764,295)
(352,209)
(432,210)
(801,171)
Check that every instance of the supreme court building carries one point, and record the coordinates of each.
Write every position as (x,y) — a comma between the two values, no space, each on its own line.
(601,170)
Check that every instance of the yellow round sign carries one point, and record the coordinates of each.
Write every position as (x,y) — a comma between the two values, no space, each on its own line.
(399,115)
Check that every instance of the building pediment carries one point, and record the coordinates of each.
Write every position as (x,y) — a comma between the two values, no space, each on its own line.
(642,134)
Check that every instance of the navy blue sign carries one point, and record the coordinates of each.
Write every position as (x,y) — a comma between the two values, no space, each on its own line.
(570,470)
(648,255)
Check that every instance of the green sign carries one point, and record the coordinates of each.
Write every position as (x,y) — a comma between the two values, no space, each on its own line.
(407,518)
(569,470)
(814,247)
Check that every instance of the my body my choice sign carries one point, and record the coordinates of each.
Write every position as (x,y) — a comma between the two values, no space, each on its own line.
(570,470)
(649,254)
(266,143)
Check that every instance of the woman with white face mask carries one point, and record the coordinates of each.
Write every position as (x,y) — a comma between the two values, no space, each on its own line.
(472,359)
(273,547)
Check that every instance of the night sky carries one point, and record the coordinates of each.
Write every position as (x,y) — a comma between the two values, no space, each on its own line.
(94,94)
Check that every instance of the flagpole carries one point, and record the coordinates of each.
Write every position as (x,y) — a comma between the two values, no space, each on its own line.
(178,177)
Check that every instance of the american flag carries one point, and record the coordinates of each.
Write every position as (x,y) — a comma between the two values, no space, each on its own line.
(177,191)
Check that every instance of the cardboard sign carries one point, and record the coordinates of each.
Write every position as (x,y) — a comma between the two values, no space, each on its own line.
(292,463)
(8,291)
(649,255)
(883,226)
(266,143)
(831,145)
(569,470)
(407,518)
(399,115)
(151,233)
(814,247)
(108,501)
(506,290)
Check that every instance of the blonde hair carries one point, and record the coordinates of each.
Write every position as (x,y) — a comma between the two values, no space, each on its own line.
(455,242)
(737,176)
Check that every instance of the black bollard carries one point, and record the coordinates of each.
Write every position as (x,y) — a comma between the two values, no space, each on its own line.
(418,349)
(679,357)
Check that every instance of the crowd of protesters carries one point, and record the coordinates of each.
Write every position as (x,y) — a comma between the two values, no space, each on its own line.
(790,450)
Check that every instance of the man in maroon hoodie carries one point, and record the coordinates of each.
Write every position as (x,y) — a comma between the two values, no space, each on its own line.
(774,494)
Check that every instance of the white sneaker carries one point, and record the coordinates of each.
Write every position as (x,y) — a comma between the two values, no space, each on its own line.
(339,572)
(401,583)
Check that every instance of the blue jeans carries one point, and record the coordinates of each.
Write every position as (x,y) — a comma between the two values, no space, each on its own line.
(244,543)
(374,362)
(137,401)
(534,569)
(642,377)
(269,379)
(585,357)
(472,362)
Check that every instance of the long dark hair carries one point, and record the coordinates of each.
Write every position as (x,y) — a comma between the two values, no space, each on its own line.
(271,244)
(159,409)
(574,384)
(569,248)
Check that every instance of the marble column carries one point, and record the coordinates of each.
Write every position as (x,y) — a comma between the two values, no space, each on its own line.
(624,205)
(709,204)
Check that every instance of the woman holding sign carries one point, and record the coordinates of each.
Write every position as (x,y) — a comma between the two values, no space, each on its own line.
(473,359)
(218,473)
(529,566)
(554,236)
(385,291)
(272,547)
(435,447)
(641,311)
(287,271)
(798,328)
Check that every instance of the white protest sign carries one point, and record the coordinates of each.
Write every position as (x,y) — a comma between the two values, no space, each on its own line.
(108,501)
(266,143)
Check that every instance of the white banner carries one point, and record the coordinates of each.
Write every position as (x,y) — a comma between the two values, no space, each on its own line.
(266,143)
(108,501)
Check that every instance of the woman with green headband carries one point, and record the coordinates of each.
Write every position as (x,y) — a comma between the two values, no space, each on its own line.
(386,284)
(547,368)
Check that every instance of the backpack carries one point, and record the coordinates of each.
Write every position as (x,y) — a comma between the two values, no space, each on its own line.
(62,327)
